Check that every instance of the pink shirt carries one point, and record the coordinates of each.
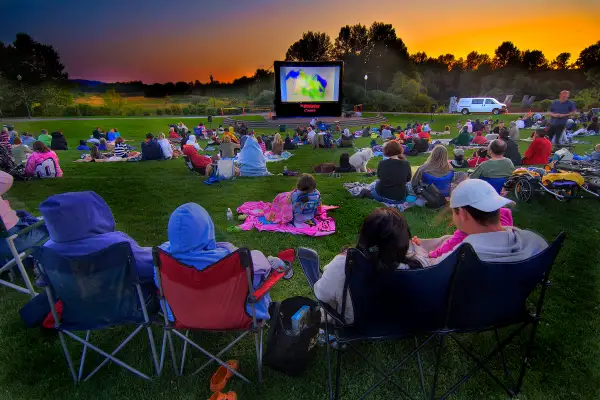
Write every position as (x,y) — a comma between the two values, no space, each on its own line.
(36,159)
(458,236)
(8,215)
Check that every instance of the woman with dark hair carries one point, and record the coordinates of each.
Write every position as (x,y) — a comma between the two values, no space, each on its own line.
(59,142)
(345,165)
(393,173)
(512,148)
(384,239)
(43,162)
(539,150)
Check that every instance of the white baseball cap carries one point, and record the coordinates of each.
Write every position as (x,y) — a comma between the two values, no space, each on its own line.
(478,194)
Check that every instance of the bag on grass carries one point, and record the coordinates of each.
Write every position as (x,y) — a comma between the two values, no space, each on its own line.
(432,196)
(288,353)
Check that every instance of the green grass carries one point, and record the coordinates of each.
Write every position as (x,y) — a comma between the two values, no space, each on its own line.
(143,195)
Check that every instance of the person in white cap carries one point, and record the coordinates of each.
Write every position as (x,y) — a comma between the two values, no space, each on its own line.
(476,208)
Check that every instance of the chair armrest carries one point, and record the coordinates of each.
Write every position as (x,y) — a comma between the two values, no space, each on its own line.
(274,276)
(31,227)
(330,311)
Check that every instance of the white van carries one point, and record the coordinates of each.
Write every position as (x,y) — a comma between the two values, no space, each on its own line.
(469,105)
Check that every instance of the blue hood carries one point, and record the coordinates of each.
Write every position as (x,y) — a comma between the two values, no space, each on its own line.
(191,235)
(76,215)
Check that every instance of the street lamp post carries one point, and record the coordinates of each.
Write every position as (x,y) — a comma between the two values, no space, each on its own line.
(366,77)
(20,78)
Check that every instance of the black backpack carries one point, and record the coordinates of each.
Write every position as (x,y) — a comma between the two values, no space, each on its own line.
(287,353)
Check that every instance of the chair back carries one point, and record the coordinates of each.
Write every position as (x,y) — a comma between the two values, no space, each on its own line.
(97,290)
(497,183)
(442,183)
(211,299)
(386,303)
(487,294)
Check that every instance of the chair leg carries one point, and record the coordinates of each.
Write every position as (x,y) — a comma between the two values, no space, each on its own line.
(220,353)
(153,350)
(258,337)
(420,364)
(21,267)
(172,348)
(438,362)
(83,353)
(526,356)
(503,359)
(329,379)
(187,335)
(67,356)
(338,372)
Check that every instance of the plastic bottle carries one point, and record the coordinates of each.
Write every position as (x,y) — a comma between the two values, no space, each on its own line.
(285,168)
(229,215)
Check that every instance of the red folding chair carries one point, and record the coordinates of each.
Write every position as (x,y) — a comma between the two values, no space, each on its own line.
(213,299)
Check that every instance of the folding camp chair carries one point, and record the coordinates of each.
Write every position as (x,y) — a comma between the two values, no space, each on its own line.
(387,306)
(442,183)
(97,291)
(213,299)
(17,258)
(502,291)
(191,167)
(497,183)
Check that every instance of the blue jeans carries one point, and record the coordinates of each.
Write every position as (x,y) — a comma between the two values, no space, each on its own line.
(384,199)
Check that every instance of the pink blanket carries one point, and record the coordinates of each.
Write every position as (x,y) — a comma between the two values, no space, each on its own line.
(256,211)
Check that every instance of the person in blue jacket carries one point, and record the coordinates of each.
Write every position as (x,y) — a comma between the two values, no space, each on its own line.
(81,223)
(151,149)
(191,234)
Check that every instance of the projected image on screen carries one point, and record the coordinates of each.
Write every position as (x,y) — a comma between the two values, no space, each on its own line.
(309,84)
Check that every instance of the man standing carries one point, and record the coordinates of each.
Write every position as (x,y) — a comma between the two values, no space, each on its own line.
(560,111)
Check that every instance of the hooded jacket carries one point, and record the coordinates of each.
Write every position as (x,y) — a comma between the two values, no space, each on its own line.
(151,150)
(191,234)
(252,160)
(59,142)
(509,245)
(81,223)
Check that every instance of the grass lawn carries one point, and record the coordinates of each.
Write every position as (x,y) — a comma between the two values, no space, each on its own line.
(566,362)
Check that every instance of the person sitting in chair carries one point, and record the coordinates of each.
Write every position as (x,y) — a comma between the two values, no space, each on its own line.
(512,148)
(385,240)
(81,223)
(497,166)
(436,165)
(539,150)
(476,208)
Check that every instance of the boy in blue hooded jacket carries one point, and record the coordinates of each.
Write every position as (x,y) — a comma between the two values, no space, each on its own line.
(81,223)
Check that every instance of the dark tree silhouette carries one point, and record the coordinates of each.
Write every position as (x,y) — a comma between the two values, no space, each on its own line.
(507,55)
(314,46)
(534,60)
(351,40)
(561,61)
(475,60)
(33,61)
(589,57)
(418,58)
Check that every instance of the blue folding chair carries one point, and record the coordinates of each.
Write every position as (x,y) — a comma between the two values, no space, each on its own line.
(442,183)
(97,291)
(488,296)
(387,306)
(497,183)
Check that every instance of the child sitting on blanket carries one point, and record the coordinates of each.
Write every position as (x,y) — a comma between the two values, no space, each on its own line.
(459,159)
(480,156)
(305,200)
(458,236)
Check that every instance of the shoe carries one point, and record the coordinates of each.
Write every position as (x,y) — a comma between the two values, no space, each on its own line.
(221,376)
(223,396)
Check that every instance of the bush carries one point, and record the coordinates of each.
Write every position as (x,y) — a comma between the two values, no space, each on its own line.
(167,111)
(545,104)
(176,109)
(211,111)
(265,98)
(159,111)
(186,111)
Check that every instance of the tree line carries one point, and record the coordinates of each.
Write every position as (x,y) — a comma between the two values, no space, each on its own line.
(397,80)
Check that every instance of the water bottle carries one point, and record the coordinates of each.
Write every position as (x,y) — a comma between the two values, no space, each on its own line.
(285,168)
(229,215)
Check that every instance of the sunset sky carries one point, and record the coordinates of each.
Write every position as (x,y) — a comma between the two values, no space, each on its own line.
(160,41)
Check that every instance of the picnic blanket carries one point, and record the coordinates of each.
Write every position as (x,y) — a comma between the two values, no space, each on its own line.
(87,158)
(270,157)
(354,188)
(258,210)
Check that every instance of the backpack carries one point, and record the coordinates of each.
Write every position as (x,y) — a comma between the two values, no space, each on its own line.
(286,353)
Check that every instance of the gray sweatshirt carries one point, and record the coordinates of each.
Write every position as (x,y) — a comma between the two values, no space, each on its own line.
(511,244)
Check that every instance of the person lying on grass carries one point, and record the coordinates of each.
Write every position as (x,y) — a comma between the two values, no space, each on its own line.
(81,223)
(385,240)
(191,234)
(476,212)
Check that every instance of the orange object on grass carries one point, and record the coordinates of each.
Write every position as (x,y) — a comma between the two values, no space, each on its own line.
(222,375)
(223,396)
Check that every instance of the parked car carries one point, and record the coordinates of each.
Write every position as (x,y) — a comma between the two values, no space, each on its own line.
(467,105)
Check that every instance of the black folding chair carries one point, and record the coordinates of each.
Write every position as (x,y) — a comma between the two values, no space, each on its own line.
(486,297)
(387,306)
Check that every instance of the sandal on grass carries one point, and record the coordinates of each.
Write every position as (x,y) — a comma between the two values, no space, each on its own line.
(221,376)
(223,396)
